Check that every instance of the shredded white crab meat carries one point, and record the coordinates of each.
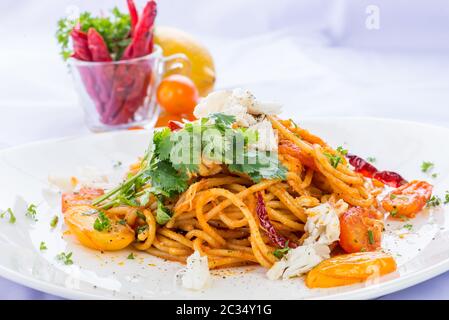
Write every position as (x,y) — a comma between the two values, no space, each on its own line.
(238,102)
(248,111)
(322,228)
(196,275)
(323,224)
(267,139)
(299,261)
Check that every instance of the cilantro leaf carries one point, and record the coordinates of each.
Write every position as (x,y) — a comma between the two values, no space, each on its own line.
(260,165)
(163,214)
(167,179)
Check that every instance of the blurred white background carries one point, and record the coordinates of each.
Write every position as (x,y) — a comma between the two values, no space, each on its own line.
(382,58)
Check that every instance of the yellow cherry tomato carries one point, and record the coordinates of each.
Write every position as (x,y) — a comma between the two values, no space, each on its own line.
(177,94)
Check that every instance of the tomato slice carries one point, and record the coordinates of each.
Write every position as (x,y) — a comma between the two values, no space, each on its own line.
(360,230)
(408,200)
(349,269)
(83,197)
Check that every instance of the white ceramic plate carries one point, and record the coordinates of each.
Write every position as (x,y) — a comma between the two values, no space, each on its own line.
(400,146)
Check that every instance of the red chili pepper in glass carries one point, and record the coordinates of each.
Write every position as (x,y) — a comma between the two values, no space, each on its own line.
(363,167)
(265,223)
(80,46)
(142,36)
(133,15)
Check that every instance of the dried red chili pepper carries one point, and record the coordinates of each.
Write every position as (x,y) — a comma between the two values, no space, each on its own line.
(142,36)
(175,126)
(362,166)
(265,223)
(97,46)
(80,46)
(133,15)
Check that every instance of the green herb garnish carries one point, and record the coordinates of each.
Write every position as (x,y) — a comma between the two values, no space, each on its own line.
(394,212)
(163,214)
(42,246)
(65,258)
(131,256)
(408,226)
(31,212)
(426,166)
(435,201)
(342,151)
(102,222)
(371,159)
(54,221)
(446,197)
(333,159)
(12,217)
(370,237)
(279,253)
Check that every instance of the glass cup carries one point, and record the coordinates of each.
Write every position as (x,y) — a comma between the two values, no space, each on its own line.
(122,94)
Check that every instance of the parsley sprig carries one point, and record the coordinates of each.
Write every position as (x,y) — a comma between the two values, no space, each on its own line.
(65,258)
(12,217)
(32,212)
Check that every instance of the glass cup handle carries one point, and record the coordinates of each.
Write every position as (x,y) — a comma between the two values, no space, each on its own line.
(177,63)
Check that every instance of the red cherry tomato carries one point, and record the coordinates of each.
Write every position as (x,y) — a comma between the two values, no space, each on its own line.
(408,200)
(360,230)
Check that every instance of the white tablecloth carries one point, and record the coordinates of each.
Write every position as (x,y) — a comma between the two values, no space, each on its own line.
(316,57)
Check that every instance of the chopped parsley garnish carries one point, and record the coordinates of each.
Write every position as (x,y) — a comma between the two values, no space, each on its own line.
(370,237)
(131,256)
(435,201)
(333,159)
(102,222)
(408,226)
(163,214)
(65,258)
(54,221)
(141,216)
(141,229)
(371,159)
(279,253)
(446,197)
(426,166)
(31,211)
(342,151)
(42,246)
(394,212)
(12,217)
